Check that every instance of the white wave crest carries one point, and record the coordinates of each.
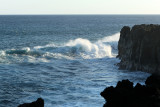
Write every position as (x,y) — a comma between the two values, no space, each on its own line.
(101,48)
(90,50)
(73,49)
(112,38)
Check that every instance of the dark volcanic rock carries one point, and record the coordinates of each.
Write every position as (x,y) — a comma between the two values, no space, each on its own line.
(125,95)
(38,103)
(139,48)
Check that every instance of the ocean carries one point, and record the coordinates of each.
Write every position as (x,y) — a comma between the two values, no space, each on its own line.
(65,59)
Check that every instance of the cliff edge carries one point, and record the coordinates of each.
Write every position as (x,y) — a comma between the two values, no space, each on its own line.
(139,48)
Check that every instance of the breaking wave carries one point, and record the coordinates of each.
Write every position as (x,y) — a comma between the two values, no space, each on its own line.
(73,49)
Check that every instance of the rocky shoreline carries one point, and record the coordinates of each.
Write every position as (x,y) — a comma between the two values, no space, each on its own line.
(126,95)
(138,49)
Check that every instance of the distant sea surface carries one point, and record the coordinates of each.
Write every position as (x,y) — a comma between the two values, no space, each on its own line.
(65,59)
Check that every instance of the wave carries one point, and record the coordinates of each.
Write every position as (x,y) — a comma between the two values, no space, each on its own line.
(23,51)
(73,49)
(89,50)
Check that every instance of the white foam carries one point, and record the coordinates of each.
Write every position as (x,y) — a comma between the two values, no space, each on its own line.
(56,55)
(73,49)
(101,48)
(27,49)
(112,38)
(2,53)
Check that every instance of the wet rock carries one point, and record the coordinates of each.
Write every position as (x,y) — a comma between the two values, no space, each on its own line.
(125,95)
(139,48)
(38,103)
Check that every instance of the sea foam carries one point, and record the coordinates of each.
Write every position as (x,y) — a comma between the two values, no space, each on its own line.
(101,48)
(73,49)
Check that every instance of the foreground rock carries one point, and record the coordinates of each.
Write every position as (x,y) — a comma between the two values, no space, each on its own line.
(38,103)
(139,48)
(125,95)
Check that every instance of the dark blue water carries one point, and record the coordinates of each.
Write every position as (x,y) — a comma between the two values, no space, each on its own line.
(66,60)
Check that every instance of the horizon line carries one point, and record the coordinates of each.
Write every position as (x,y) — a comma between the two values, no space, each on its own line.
(79,14)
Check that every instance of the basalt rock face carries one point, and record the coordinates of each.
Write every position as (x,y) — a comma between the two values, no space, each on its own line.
(38,103)
(139,48)
(125,95)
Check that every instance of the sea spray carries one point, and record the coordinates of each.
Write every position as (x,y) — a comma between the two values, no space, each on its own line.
(101,48)
(73,49)
(67,78)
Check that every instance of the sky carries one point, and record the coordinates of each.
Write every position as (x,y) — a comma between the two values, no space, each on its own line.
(79,7)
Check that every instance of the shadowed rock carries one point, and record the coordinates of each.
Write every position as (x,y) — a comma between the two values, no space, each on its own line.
(125,95)
(139,48)
(38,103)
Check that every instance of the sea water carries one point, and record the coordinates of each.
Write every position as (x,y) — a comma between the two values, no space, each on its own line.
(65,59)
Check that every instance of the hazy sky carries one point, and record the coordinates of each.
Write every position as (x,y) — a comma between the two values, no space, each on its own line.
(79,6)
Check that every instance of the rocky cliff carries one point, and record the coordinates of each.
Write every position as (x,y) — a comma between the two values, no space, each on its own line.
(139,48)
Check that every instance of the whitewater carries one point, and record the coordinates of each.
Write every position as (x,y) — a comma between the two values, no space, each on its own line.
(74,49)
(77,71)
(65,59)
